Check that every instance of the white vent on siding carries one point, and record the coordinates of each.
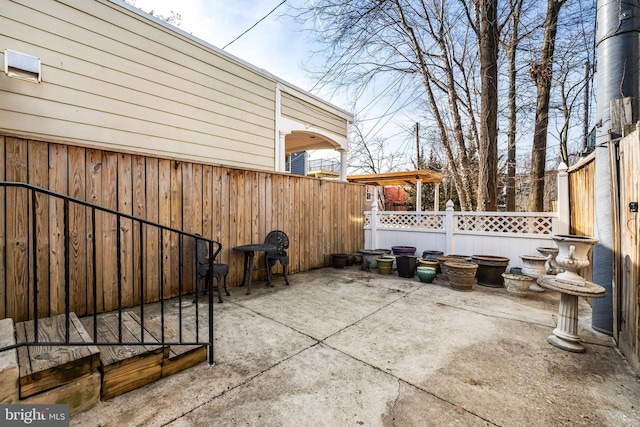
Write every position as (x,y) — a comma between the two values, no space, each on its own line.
(22,66)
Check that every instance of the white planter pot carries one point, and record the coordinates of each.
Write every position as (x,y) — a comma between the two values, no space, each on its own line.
(573,255)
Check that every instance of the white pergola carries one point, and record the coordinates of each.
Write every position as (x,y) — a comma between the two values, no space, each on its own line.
(416,177)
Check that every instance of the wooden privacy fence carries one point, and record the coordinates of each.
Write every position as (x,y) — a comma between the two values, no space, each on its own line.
(231,206)
(581,196)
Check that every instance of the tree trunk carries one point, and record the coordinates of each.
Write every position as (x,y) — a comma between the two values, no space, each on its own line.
(488,147)
(542,73)
(511,131)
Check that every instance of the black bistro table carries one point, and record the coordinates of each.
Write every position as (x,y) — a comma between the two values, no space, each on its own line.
(249,252)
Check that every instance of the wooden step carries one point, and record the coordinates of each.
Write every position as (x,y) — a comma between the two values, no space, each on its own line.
(46,367)
(179,357)
(9,368)
(125,368)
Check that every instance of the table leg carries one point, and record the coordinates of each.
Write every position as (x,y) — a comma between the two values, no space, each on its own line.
(244,270)
(250,259)
(268,268)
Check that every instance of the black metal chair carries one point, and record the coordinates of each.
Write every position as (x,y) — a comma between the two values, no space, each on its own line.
(280,240)
(218,271)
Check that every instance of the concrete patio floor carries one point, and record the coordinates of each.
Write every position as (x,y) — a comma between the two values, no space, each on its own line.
(353,348)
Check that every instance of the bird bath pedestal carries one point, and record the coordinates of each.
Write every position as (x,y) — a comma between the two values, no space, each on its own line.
(565,335)
(572,256)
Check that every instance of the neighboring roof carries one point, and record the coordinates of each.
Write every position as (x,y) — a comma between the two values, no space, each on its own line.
(398,178)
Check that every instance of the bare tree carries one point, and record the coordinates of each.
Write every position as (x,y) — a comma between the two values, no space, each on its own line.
(173,18)
(370,155)
(489,32)
(574,50)
(412,40)
(512,47)
(542,73)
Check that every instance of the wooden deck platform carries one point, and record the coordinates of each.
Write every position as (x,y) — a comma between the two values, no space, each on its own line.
(44,367)
(121,367)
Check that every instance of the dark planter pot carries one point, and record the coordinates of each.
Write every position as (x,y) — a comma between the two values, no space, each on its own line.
(338,260)
(357,258)
(432,255)
(350,259)
(406,266)
(403,250)
(490,269)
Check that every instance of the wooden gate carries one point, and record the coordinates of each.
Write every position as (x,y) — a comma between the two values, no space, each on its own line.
(629,312)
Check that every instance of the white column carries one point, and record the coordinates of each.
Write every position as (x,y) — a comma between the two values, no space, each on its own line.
(343,165)
(418,195)
(563,200)
(374,219)
(448,229)
(436,197)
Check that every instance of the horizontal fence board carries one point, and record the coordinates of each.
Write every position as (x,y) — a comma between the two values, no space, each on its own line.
(231,206)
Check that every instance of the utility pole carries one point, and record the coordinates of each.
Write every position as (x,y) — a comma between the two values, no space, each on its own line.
(418,164)
(585,137)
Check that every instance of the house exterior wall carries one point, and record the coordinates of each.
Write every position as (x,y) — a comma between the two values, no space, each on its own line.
(118,79)
(303,111)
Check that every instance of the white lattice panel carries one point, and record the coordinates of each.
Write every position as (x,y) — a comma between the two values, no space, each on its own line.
(410,220)
(505,224)
(367,220)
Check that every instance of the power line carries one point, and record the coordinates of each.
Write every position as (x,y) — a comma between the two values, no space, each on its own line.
(253,26)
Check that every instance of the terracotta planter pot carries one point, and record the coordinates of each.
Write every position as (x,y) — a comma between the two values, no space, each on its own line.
(384,264)
(490,269)
(517,284)
(426,274)
(461,275)
(442,259)
(338,260)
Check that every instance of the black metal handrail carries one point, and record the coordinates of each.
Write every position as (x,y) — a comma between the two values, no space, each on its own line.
(213,246)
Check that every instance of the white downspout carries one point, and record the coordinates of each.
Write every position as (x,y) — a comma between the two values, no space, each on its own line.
(278,161)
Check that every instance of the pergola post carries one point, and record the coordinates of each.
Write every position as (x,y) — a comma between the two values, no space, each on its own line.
(374,218)
(436,197)
(418,195)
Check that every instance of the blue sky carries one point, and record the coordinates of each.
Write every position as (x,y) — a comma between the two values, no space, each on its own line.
(280,46)
(277,44)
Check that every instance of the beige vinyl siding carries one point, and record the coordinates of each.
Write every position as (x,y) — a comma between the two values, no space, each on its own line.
(305,112)
(118,81)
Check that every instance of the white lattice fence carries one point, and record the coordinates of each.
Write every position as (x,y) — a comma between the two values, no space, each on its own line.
(505,223)
(427,221)
(465,233)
